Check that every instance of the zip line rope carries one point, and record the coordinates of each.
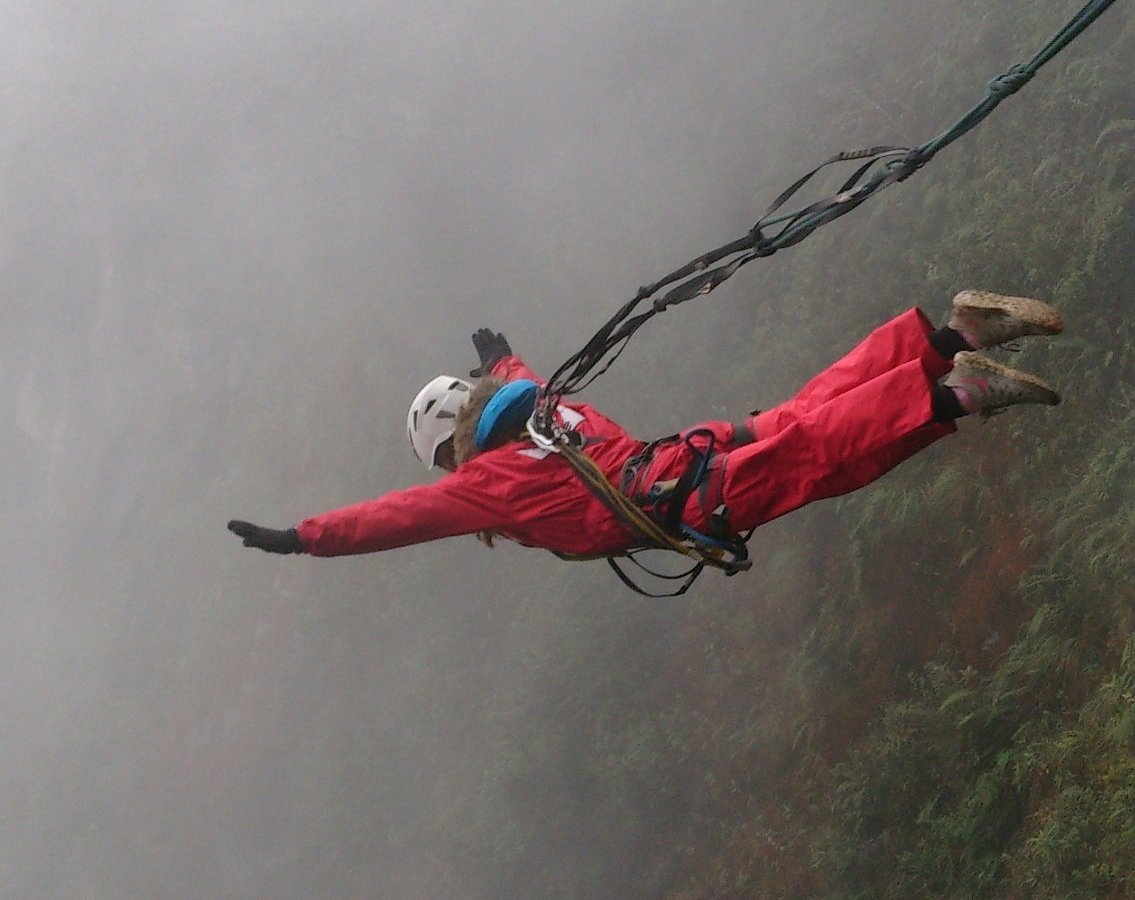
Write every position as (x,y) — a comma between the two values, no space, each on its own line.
(879,168)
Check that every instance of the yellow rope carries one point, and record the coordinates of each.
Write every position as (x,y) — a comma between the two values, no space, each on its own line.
(632,515)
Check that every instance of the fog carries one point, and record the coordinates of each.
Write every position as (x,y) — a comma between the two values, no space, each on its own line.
(237,237)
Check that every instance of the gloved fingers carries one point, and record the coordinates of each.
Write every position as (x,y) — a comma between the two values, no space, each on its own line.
(491,346)
(486,337)
(271,540)
(245,530)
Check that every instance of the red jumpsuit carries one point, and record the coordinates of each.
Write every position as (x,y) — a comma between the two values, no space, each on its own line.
(850,424)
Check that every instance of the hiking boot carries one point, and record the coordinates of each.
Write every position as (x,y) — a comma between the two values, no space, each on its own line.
(986,387)
(986,320)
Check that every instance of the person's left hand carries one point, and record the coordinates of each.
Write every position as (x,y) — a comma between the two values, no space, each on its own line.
(271,540)
(491,347)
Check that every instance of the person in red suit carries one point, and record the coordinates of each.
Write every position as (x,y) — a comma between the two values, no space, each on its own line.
(899,390)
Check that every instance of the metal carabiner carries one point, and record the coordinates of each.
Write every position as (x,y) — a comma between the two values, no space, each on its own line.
(549,442)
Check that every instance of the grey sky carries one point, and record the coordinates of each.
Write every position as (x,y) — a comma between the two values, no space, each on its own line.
(236,237)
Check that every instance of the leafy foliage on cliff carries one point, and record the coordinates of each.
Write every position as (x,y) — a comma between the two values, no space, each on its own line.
(928,689)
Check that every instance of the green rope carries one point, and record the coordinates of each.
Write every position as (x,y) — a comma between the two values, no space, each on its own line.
(879,167)
(883,167)
(1014,79)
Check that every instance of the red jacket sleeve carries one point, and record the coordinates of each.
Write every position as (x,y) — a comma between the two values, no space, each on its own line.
(510,368)
(477,497)
(460,503)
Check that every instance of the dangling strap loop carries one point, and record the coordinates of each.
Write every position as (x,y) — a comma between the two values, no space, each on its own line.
(729,557)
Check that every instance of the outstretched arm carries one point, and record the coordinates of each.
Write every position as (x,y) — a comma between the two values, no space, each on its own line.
(449,507)
(462,503)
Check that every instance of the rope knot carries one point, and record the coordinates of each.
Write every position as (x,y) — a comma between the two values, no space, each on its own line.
(1011,81)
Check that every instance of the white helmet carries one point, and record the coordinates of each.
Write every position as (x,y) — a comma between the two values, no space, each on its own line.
(433,414)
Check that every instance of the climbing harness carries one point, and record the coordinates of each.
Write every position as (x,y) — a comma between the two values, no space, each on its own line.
(878,168)
(662,530)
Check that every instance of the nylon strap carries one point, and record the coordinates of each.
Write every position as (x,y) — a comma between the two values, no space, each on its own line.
(884,166)
(637,520)
(880,167)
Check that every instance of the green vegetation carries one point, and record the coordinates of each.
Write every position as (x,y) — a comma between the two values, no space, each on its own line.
(926,689)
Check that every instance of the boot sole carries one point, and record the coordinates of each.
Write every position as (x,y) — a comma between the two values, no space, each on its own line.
(1035,313)
(970,360)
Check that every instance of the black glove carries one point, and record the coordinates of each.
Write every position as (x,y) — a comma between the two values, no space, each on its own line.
(491,348)
(271,540)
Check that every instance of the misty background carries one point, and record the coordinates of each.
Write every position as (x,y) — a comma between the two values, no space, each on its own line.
(236,239)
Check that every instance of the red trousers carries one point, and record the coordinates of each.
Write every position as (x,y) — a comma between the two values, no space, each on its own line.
(850,424)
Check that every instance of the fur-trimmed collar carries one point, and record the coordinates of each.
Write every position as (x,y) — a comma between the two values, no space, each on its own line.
(464,446)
